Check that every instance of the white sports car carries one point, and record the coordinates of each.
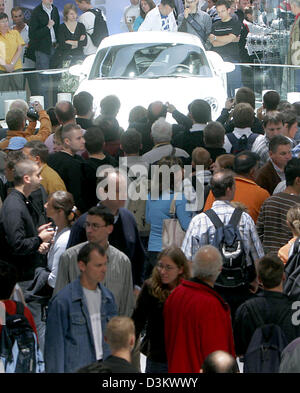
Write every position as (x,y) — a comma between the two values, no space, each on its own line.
(143,67)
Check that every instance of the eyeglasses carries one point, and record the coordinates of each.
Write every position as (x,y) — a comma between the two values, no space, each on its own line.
(160,266)
(93,225)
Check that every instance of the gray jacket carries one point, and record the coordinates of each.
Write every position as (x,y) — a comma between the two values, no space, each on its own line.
(118,278)
(202,18)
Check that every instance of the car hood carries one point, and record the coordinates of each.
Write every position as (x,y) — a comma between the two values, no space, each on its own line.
(179,91)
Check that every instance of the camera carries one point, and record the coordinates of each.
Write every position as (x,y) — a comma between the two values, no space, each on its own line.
(32,113)
(129,19)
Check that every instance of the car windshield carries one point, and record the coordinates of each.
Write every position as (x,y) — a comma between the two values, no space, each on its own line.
(150,61)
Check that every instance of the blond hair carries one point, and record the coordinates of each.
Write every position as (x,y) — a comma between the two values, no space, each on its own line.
(67,8)
(118,332)
(293,218)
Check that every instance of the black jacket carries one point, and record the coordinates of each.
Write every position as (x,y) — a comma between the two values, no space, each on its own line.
(144,128)
(271,306)
(39,33)
(149,314)
(69,169)
(18,235)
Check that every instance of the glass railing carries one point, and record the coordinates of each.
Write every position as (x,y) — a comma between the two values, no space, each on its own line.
(50,86)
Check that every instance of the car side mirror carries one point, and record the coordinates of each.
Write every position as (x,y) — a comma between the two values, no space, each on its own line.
(218,64)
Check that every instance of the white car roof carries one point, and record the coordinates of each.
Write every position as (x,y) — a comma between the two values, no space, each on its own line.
(150,37)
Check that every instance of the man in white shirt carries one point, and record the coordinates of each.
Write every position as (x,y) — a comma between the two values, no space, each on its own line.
(28,64)
(161,18)
(88,19)
(17,15)
(131,12)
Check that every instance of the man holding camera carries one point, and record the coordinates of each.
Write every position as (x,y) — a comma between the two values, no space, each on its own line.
(16,122)
(131,12)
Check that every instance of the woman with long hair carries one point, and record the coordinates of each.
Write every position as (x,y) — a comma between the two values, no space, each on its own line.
(60,208)
(171,268)
(145,7)
(224,161)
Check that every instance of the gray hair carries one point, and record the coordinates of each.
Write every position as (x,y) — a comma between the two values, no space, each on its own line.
(207,263)
(19,104)
(161,131)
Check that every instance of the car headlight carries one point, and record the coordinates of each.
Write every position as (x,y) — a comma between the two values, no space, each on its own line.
(213,103)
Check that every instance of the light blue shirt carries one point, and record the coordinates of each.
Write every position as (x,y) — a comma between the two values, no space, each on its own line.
(158,210)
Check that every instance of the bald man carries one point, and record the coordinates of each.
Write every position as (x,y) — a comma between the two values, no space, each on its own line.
(219,362)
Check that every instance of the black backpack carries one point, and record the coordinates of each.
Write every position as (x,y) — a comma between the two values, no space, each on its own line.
(100,28)
(242,143)
(263,354)
(19,350)
(229,242)
(291,285)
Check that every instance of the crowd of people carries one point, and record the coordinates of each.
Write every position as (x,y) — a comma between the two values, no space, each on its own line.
(46,43)
(78,248)
(84,205)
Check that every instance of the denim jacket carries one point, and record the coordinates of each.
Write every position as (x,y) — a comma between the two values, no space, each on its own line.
(69,343)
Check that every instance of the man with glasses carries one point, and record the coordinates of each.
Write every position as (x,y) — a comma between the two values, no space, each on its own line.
(99,225)
(125,236)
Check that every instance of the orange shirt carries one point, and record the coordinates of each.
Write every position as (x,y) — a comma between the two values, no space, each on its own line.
(248,193)
(44,131)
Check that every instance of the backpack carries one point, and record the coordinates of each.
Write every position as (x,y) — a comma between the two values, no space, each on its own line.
(227,239)
(19,351)
(291,285)
(242,143)
(100,28)
(263,354)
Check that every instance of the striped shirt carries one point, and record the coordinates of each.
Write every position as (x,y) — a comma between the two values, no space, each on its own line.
(261,147)
(118,277)
(271,225)
(201,231)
